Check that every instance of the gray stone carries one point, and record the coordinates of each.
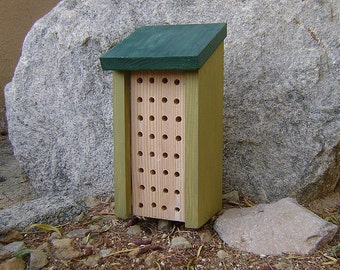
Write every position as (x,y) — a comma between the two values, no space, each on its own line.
(52,210)
(78,233)
(105,252)
(134,230)
(91,201)
(14,263)
(64,249)
(180,242)
(11,236)
(92,260)
(38,259)
(151,259)
(4,255)
(273,229)
(206,236)
(14,246)
(164,225)
(281,113)
(221,254)
(231,197)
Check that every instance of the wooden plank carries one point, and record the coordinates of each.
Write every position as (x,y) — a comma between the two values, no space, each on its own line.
(166,47)
(204,141)
(157,144)
(121,127)
(211,84)
(191,149)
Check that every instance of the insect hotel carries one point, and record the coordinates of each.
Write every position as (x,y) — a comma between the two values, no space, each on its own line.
(168,120)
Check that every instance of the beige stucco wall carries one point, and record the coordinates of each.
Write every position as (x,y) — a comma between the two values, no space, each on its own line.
(16,18)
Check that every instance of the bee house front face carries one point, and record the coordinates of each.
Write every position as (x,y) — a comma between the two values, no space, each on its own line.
(158,144)
(168,109)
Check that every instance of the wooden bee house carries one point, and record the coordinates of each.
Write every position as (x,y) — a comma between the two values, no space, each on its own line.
(168,110)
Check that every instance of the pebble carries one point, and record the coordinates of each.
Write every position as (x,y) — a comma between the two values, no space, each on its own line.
(91,201)
(13,264)
(221,254)
(206,236)
(12,236)
(64,249)
(38,259)
(54,235)
(79,233)
(14,247)
(105,252)
(164,225)
(232,197)
(150,259)
(134,230)
(92,261)
(180,242)
(4,255)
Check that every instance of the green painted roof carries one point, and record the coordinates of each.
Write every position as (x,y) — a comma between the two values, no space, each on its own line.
(166,47)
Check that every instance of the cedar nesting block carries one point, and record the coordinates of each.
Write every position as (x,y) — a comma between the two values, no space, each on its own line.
(168,121)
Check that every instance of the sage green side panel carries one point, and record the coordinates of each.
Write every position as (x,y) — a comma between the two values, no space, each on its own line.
(204,141)
(191,149)
(122,145)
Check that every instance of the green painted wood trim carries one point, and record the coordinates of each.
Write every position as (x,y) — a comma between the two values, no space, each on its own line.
(122,144)
(166,47)
(204,141)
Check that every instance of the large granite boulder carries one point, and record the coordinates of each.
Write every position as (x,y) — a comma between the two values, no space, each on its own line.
(282,96)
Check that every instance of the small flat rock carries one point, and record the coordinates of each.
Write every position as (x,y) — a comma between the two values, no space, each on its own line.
(91,201)
(64,249)
(134,230)
(232,197)
(14,247)
(180,242)
(38,259)
(105,252)
(221,254)
(12,236)
(151,259)
(92,260)
(4,255)
(164,225)
(273,229)
(206,236)
(13,264)
(78,233)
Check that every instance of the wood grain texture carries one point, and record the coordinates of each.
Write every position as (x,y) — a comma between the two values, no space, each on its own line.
(122,146)
(166,47)
(204,141)
(157,144)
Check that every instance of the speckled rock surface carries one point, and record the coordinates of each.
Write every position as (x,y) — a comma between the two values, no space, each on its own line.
(53,210)
(281,117)
(274,229)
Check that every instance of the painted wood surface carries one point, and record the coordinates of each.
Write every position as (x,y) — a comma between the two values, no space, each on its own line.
(204,141)
(166,47)
(122,145)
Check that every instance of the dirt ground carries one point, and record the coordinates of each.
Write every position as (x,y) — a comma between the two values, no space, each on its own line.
(151,248)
